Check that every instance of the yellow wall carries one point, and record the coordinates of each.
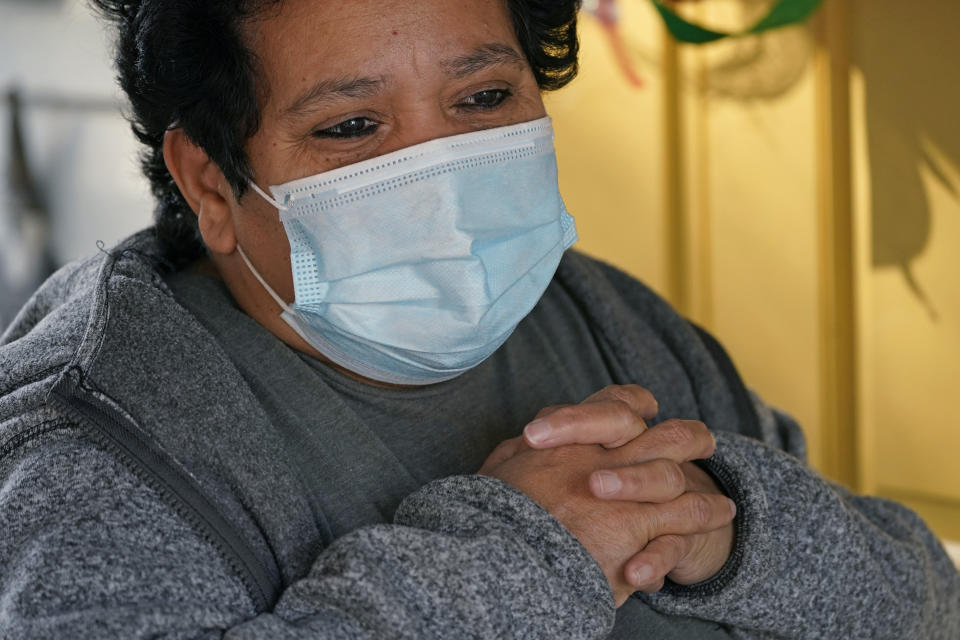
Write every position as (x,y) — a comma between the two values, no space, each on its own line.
(609,148)
(905,104)
(799,194)
(746,202)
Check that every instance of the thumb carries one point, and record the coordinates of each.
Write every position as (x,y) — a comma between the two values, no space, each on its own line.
(504,451)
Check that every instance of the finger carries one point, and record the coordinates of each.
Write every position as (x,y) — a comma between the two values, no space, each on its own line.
(647,570)
(654,481)
(707,553)
(503,452)
(640,400)
(677,440)
(608,423)
(689,514)
(698,479)
(534,434)
(543,413)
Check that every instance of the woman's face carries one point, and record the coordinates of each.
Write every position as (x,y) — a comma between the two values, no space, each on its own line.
(347,81)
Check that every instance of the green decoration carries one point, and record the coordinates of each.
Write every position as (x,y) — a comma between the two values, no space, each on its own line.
(782,14)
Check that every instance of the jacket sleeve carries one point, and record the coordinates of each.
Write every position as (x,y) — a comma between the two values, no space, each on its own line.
(88,551)
(812,560)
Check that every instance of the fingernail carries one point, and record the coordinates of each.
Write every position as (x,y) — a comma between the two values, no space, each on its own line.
(642,575)
(537,431)
(609,482)
(733,507)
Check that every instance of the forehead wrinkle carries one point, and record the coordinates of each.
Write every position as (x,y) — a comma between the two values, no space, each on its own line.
(484,56)
(330,90)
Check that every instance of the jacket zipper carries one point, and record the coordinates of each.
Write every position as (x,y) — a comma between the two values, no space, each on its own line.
(122,437)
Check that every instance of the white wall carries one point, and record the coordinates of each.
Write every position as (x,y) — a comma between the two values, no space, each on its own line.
(84,161)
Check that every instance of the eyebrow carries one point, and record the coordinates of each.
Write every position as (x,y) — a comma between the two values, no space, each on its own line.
(330,90)
(483,57)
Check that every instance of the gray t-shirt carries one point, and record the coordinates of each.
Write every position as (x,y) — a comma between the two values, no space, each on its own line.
(392,441)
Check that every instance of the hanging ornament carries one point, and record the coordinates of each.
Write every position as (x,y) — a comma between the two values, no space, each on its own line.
(783,13)
(607,14)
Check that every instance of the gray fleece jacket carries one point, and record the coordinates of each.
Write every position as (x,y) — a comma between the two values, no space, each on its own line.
(142,494)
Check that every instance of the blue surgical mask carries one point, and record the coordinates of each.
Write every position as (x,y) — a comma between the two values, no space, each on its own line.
(415,266)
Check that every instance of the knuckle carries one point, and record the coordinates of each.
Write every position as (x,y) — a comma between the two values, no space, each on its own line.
(548,410)
(565,415)
(624,414)
(613,390)
(705,443)
(634,480)
(654,405)
(671,474)
(563,456)
(619,393)
(710,447)
(677,433)
(675,542)
(648,524)
(643,396)
(698,429)
(699,509)
(500,448)
(506,449)
(623,424)
(637,398)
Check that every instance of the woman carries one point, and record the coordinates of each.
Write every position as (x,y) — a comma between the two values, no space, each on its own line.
(263,417)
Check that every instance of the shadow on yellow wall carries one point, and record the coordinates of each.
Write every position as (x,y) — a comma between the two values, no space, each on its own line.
(758,179)
(907,53)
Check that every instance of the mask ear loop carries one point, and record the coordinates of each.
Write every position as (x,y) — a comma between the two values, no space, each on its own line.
(263,194)
(273,294)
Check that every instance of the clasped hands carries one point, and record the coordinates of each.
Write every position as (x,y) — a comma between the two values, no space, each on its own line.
(630,494)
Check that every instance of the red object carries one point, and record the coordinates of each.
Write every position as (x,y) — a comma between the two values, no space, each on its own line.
(608,16)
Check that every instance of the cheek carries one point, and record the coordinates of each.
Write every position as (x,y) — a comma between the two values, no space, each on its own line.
(331,161)
(294,161)
(261,234)
(271,155)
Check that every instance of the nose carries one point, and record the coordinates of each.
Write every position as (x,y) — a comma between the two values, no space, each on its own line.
(421,123)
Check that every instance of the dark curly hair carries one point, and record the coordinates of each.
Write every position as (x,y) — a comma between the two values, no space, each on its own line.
(185,62)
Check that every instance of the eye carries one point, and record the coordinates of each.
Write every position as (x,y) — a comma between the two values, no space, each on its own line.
(486,99)
(351,128)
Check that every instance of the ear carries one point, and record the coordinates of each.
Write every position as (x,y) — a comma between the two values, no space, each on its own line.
(205,189)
